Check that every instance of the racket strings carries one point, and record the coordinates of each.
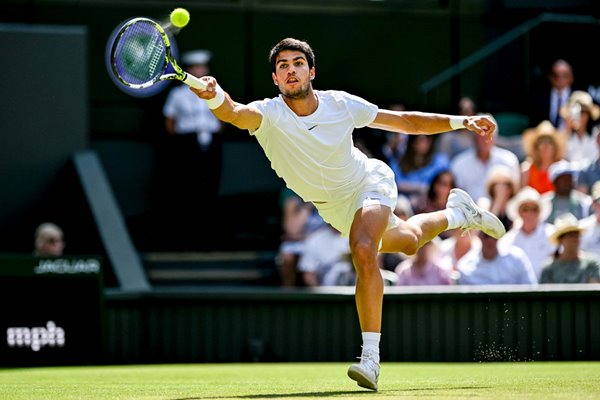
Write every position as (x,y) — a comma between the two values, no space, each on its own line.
(140,54)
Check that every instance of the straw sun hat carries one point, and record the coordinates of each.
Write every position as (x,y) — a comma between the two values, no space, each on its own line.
(500,174)
(564,224)
(544,131)
(585,100)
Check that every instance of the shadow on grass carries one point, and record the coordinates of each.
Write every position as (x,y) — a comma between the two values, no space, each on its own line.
(334,393)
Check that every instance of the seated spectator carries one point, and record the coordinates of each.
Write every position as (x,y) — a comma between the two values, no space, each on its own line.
(437,193)
(500,188)
(48,240)
(580,110)
(529,232)
(494,265)
(471,167)
(543,146)
(418,166)
(569,264)
(424,268)
(564,198)
(326,260)
(455,247)
(591,173)
(590,240)
(298,221)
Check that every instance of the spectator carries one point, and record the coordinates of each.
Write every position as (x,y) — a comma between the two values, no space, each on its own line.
(590,240)
(565,199)
(530,233)
(591,173)
(437,193)
(569,264)
(500,188)
(299,220)
(543,146)
(418,166)
(546,106)
(423,268)
(581,146)
(455,247)
(454,142)
(192,167)
(48,240)
(495,265)
(326,259)
(482,158)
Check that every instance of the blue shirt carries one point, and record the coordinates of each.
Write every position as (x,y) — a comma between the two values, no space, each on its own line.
(425,175)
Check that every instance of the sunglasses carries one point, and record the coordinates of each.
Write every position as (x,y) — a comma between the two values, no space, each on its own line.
(526,209)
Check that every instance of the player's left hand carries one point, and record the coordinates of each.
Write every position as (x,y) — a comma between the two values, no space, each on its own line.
(481,125)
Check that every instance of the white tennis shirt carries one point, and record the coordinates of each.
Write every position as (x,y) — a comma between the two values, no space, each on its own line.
(315,154)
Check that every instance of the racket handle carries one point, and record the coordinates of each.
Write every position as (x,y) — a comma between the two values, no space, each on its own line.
(194,82)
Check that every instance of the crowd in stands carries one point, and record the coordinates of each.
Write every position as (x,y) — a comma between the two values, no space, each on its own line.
(546,191)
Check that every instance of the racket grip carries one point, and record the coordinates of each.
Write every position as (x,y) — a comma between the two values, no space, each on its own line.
(194,82)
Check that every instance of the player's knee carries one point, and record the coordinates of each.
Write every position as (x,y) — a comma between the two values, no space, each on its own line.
(363,252)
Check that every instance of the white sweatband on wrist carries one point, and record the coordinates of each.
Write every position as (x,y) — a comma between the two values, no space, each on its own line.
(457,123)
(216,101)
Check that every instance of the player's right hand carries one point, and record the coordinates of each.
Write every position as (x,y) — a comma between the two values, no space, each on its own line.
(210,91)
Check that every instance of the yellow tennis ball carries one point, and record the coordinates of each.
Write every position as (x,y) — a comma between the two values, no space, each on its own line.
(180,17)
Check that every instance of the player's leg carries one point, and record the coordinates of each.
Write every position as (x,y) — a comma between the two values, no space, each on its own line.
(366,232)
(408,236)
(461,212)
(368,227)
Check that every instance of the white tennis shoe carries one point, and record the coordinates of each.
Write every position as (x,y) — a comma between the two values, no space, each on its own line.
(477,218)
(366,373)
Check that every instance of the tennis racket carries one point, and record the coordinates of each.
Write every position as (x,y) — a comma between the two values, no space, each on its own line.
(141,56)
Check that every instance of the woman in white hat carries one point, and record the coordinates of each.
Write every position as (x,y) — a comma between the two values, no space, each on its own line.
(578,114)
(500,187)
(528,211)
(569,265)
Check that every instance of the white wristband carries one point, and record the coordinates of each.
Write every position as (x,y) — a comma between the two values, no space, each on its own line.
(457,123)
(216,101)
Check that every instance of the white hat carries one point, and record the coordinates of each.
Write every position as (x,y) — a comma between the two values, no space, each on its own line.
(527,195)
(596,191)
(562,167)
(196,57)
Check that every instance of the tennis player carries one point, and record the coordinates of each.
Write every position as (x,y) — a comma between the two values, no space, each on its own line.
(307,136)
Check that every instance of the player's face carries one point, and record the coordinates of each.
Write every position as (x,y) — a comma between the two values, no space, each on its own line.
(292,74)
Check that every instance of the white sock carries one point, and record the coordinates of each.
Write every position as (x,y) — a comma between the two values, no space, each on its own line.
(371,342)
(455,218)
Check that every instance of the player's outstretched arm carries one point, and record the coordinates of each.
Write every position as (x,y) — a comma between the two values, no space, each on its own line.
(225,109)
(420,123)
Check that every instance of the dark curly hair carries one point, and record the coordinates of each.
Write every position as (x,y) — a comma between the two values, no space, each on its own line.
(292,44)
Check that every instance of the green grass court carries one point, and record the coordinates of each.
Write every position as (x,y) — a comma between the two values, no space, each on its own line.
(511,380)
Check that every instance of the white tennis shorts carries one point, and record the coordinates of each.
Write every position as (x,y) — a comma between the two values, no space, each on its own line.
(378,188)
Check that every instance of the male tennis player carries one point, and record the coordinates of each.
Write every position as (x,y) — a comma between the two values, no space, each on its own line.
(307,136)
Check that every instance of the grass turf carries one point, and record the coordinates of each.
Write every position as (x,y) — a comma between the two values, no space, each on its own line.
(511,380)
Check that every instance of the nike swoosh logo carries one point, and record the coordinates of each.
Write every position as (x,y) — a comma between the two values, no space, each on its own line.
(312,127)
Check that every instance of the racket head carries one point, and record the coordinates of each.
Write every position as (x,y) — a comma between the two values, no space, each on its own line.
(141,54)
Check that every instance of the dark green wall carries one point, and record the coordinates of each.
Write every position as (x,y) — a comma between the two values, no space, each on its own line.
(556,322)
(382,51)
